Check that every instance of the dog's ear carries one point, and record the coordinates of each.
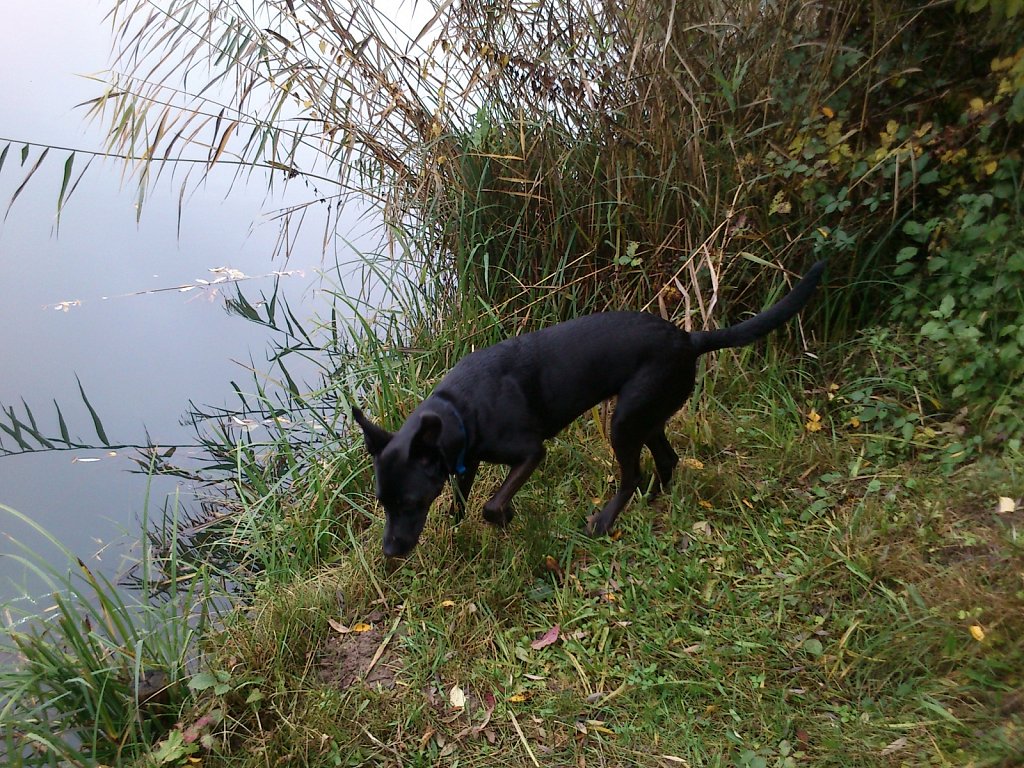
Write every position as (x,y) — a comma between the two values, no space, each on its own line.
(376,438)
(426,443)
(438,440)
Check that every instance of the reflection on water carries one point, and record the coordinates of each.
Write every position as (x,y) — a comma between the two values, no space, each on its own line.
(99,301)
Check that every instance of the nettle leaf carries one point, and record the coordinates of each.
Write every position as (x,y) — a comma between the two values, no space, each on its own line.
(907,253)
(202,681)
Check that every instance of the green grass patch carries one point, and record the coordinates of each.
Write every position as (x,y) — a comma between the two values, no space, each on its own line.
(791,601)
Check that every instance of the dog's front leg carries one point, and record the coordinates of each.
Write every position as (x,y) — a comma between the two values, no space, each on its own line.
(461,487)
(498,509)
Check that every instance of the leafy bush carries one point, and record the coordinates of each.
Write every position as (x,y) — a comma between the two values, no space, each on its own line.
(967,298)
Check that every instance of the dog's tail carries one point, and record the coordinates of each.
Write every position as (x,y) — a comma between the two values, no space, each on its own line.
(764,323)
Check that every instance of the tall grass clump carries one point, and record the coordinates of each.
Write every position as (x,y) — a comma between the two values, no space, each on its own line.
(96,676)
(532,161)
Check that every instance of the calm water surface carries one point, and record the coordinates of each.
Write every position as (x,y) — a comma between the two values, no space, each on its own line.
(140,358)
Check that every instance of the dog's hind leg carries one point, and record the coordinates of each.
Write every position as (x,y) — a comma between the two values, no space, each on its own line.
(498,509)
(665,459)
(627,444)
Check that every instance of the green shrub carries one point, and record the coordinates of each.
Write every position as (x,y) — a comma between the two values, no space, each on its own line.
(967,299)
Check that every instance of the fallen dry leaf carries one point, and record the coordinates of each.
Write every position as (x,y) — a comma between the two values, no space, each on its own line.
(457,697)
(894,746)
(338,627)
(548,638)
(1006,505)
(552,565)
(977,632)
(693,463)
(362,627)
(447,603)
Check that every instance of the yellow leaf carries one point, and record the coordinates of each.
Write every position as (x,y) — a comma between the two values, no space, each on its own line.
(693,463)
(615,535)
(517,698)
(990,167)
(854,422)
(361,627)
(705,503)
(1006,504)
(823,232)
(828,112)
(977,632)
(780,204)
(976,104)
(813,423)
(447,603)
(1000,64)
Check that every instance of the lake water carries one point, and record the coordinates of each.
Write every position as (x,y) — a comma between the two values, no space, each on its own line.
(140,358)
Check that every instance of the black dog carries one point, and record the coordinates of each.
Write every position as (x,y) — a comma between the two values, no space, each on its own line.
(501,403)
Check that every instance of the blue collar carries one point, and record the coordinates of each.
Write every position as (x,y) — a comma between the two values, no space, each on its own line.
(460,460)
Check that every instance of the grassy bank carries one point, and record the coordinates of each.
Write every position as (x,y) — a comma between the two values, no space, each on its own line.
(821,586)
(806,594)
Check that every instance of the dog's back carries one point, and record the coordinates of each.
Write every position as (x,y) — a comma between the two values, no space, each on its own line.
(561,371)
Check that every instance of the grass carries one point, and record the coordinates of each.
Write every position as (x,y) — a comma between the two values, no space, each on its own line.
(99,673)
(792,601)
(810,591)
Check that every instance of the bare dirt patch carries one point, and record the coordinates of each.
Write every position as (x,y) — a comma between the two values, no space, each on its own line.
(352,659)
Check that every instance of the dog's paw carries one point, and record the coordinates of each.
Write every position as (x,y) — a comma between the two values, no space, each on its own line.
(499,516)
(597,525)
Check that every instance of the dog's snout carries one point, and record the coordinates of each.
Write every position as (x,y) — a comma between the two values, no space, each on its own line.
(395,548)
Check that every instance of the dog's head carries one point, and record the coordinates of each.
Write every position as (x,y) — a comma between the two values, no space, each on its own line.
(411,469)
